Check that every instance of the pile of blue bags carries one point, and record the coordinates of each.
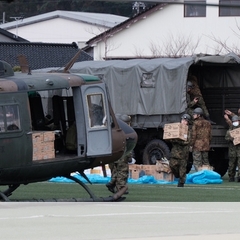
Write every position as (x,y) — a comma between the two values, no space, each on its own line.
(201,177)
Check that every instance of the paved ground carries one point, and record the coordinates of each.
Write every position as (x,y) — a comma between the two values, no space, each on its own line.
(170,221)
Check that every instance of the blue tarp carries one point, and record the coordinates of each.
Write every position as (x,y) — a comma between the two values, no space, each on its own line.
(201,177)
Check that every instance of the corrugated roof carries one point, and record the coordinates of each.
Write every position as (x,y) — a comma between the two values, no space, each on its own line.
(100,19)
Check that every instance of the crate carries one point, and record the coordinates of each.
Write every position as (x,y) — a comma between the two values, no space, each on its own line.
(136,171)
(235,134)
(175,131)
(205,167)
(43,145)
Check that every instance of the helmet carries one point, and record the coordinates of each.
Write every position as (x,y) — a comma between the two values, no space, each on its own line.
(125,118)
(189,84)
(235,118)
(186,117)
(198,111)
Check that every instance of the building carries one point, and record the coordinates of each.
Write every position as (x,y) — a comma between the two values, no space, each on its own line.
(62,26)
(174,29)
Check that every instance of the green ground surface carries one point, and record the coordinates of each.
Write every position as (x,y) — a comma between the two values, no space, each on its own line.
(224,192)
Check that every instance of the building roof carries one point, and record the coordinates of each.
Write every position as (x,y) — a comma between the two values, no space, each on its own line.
(41,55)
(100,19)
(127,23)
(11,36)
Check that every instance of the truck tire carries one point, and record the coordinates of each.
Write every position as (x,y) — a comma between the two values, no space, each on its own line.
(155,150)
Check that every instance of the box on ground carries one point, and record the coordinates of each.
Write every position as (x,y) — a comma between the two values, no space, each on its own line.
(175,130)
(136,171)
(205,167)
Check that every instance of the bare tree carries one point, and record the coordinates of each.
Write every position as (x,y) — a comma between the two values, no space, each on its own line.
(105,38)
(173,46)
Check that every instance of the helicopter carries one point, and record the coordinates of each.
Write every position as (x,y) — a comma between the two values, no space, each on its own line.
(54,124)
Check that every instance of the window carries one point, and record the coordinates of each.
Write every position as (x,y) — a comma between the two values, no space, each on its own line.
(97,114)
(229,10)
(148,81)
(9,118)
(194,8)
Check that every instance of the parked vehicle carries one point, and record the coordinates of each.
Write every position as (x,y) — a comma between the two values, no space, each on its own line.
(153,92)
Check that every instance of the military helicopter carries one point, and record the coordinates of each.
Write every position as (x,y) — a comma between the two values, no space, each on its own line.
(38,111)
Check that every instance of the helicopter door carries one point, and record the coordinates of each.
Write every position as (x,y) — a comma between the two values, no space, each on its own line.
(97,118)
(15,126)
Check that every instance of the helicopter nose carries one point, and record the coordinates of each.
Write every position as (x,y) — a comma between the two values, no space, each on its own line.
(130,136)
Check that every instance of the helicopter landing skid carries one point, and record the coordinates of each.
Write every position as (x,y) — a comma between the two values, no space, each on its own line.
(8,192)
(115,198)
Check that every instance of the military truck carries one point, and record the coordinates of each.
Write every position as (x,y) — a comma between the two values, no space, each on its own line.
(153,92)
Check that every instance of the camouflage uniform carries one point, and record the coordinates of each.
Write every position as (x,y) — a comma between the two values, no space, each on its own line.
(200,142)
(196,93)
(119,172)
(233,155)
(179,158)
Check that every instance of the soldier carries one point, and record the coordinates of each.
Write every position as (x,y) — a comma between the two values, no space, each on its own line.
(195,98)
(120,169)
(179,154)
(200,140)
(233,152)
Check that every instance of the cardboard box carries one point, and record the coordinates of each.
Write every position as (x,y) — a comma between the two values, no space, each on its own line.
(164,176)
(236,140)
(175,131)
(37,137)
(136,171)
(235,132)
(205,167)
(236,135)
(43,145)
(48,136)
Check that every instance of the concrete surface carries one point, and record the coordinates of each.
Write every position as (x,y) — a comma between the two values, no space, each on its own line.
(170,221)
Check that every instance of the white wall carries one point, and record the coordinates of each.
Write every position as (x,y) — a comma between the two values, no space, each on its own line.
(167,28)
(57,30)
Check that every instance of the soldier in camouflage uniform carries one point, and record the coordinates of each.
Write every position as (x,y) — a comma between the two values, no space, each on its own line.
(233,152)
(120,169)
(179,154)
(200,139)
(195,98)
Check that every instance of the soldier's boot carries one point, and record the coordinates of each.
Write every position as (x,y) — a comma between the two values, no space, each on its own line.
(111,187)
(180,184)
(231,179)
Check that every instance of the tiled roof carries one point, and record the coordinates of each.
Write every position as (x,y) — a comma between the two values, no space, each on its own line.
(41,55)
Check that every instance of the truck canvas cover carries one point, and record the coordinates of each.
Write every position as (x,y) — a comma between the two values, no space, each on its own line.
(135,86)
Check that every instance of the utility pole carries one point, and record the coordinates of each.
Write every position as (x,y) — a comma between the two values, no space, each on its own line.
(17,19)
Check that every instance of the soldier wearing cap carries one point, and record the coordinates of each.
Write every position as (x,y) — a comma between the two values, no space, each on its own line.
(120,169)
(179,154)
(233,151)
(200,140)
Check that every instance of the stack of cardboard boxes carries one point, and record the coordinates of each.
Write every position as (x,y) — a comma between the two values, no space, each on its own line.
(43,145)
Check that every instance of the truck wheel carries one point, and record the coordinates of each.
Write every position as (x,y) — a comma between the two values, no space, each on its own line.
(155,150)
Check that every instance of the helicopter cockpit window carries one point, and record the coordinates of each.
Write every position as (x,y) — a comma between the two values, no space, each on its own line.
(9,118)
(97,112)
